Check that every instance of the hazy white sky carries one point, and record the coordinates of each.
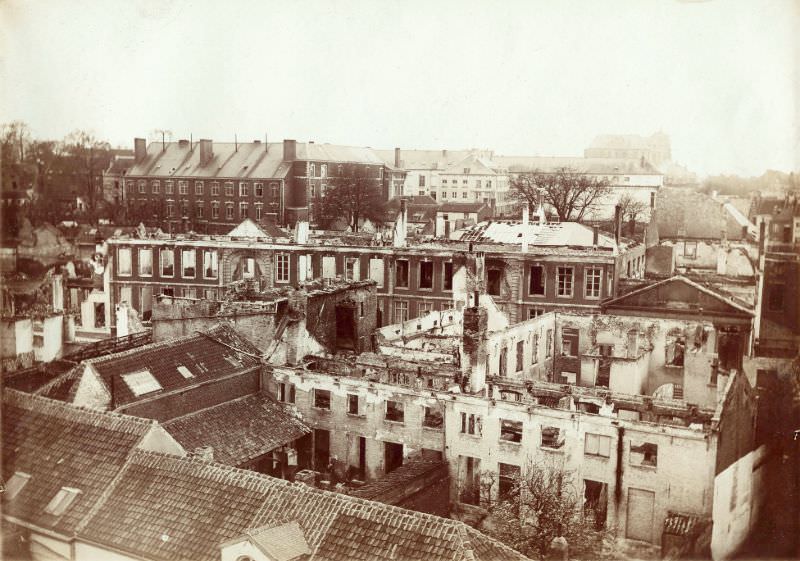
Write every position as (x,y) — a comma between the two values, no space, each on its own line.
(722,78)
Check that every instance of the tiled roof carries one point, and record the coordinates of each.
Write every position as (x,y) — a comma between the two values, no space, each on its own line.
(337,153)
(399,477)
(165,507)
(425,159)
(208,355)
(60,445)
(182,159)
(550,234)
(462,207)
(282,542)
(239,430)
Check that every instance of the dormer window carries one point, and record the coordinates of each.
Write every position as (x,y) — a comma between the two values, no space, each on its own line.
(61,502)
(142,382)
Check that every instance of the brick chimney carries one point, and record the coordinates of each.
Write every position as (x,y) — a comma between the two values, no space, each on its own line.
(526,214)
(473,345)
(139,149)
(397,158)
(617,222)
(206,151)
(289,150)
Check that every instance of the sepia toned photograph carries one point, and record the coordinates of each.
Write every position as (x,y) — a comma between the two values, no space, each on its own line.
(357,280)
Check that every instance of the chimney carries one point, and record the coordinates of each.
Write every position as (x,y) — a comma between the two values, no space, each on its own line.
(480,268)
(397,157)
(617,222)
(762,239)
(473,344)
(526,212)
(289,150)
(595,235)
(206,151)
(400,225)
(139,149)
(444,153)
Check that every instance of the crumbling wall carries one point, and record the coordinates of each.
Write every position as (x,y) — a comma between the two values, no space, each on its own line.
(16,338)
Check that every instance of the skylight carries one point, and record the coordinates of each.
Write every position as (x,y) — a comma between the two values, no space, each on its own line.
(185,372)
(142,382)
(61,501)
(15,484)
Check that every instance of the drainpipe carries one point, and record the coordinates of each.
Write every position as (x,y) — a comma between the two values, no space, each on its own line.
(618,470)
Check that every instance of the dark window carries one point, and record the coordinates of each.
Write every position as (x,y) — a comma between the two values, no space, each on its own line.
(433,418)
(508,476)
(394,411)
(503,361)
(551,437)
(493,278)
(644,454)
(322,399)
(447,282)
(352,404)
(402,273)
(471,424)
(520,355)
(536,285)
(426,274)
(286,392)
(511,431)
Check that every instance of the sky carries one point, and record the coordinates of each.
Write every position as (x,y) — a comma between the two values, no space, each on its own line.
(721,77)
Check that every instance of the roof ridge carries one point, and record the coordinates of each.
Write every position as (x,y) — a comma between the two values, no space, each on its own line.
(78,414)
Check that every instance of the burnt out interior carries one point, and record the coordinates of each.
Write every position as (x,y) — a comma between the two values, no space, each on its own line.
(346,326)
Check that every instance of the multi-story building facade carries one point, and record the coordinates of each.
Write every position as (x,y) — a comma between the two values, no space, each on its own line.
(655,149)
(209,187)
(527,268)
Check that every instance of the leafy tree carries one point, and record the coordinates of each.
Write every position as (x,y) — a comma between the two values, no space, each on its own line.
(543,503)
(569,193)
(353,195)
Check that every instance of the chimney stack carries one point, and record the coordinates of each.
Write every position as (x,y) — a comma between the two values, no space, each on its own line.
(289,150)
(139,149)
(206,151)
(526,212)
(397,158)
(617,222)
(400,225)
(595,235)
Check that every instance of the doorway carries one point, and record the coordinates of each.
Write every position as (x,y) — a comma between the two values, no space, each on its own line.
(322,447)
(392,456)
(640,515)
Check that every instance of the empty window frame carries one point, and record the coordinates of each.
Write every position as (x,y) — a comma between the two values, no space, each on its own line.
(145,261)
(548,350)
(494,278)
(286,392)
(188,263)
(551,437)
(593,281)
(210,264)
(426,275)
(565,282)
(536,282)
(447,276)
(124,261)
(690,250)
(322,399)
(352,404)
(674,348)
(643,454)
(535,348)
(433,419)
(282,267)
(376,271)
(352,269)
(471,424)
(510,431)
(597,445)
(394,411)
(401,273)
(520,356)
(508,478)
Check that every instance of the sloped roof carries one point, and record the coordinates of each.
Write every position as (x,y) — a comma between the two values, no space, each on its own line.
(476,166)
(248,229)
(425,159)
(686,213)
(184,508)
(282,542)
(238,430)
(337,153)
(400,477)
(550,234)
(60,445)
(462,207)
(662,295)
(247,160)
(208,355)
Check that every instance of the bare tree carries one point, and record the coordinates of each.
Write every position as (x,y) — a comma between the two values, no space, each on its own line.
(540,504)
(88,157)
(352,195)
(631,207)
(569,193)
